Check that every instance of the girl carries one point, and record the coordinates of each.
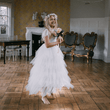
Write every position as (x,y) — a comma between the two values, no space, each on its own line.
(49,72)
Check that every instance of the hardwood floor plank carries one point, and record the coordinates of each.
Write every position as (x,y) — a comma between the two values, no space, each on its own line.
(104,106)
(91,87)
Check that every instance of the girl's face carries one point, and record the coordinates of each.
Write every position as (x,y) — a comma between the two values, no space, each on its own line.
(52,21)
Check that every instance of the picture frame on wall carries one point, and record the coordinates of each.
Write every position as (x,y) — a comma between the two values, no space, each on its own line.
(3,29)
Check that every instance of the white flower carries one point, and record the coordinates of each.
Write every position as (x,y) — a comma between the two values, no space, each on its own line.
(50,15)
(43,14)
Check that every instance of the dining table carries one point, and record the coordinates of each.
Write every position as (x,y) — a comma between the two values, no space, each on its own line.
(19,43)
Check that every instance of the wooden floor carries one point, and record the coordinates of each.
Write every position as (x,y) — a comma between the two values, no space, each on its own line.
(91,87)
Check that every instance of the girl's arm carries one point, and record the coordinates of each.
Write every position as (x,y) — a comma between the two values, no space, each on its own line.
(50,44)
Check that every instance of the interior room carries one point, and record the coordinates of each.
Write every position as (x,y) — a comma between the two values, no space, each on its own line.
(84,52)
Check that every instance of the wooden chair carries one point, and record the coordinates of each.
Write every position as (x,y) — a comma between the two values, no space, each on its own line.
(9,50)
(88,42)
(70,40)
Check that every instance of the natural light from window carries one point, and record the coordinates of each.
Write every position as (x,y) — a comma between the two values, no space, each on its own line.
(3,19)
(3,15)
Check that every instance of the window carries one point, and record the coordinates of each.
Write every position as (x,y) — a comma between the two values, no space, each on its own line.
(3,20)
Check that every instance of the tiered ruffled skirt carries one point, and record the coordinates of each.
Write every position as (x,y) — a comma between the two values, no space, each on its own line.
(49,72)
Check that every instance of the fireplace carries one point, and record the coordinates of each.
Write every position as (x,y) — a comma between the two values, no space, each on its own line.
(36,43)
(36,31)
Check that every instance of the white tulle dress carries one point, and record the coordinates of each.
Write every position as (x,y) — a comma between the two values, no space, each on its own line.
(49,71)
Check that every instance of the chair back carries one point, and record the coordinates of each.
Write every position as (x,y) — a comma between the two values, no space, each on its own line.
(90,39)
(70,38)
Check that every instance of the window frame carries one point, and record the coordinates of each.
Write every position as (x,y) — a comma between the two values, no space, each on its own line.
(5,15)
(8,25)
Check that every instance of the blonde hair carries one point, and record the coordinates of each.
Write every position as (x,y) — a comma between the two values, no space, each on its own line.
(46,21)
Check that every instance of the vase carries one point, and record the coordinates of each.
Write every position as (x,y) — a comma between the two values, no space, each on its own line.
(41,23)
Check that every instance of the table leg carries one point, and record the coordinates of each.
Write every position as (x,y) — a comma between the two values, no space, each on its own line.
(27,52)
(4,54)
(20,52)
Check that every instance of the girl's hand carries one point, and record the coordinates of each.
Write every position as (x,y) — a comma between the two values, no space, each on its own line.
(54,33)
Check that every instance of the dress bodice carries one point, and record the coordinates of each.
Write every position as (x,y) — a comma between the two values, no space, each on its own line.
(53,39)
(47,33)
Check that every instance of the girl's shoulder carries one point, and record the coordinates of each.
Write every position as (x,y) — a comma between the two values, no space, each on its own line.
(45,32)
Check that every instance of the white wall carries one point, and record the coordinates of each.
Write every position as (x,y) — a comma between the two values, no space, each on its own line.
(79,9)
(89,18)
(107,32)
(84,25)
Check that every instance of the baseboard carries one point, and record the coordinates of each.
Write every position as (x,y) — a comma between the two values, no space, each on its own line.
(98,57)
(107,59)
